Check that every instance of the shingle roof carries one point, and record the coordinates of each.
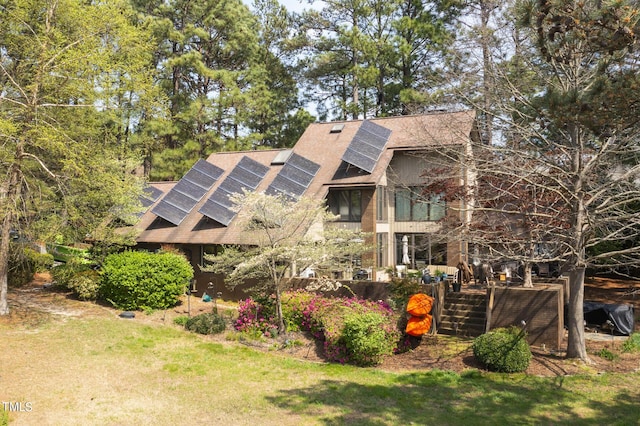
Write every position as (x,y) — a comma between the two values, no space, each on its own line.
(323,147)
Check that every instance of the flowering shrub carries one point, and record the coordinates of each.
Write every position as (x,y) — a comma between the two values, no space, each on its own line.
(325,319)
(253,317)
(353,330)
(294,306)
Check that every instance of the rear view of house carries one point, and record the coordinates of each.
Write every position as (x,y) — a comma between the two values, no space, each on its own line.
(370,172)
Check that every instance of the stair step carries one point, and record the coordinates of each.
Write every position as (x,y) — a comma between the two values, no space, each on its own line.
(463,314)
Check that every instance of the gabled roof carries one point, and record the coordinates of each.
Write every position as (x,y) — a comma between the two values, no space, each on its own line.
(318,160)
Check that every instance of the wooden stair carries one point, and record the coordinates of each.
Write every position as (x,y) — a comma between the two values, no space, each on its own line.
(463,314)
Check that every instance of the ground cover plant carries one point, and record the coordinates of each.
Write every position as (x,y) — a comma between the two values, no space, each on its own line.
(79,363)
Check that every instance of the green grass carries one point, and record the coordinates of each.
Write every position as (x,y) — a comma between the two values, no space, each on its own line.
(113,371)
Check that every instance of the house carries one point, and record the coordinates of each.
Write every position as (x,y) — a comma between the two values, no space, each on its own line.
(368,171)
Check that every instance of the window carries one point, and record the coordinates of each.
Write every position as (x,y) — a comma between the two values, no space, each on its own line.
(422,250)
(381,203)
(382,257)
(412,206)
(347,204)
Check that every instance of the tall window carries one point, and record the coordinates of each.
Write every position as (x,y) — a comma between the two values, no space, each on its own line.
(412,206)
(346,203)
(381,203)
(381,242)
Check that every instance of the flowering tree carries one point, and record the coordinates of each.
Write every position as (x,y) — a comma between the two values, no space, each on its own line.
(286,235)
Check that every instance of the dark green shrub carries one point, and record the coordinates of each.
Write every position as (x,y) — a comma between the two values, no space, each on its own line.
(632,344)
(141,280)
(368,338)
(503,349)
(85,284)
(206,324)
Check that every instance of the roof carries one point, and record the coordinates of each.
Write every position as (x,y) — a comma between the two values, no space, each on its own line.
(323,145)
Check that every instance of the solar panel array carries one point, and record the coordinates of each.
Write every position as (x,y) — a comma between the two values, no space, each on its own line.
(183,197)
(294,177)
(246,174)
(150,195)
(367,146)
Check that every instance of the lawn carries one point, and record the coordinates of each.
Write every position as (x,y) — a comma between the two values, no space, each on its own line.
(106,370)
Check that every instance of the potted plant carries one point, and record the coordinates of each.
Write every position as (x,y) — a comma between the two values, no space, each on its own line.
(439,275)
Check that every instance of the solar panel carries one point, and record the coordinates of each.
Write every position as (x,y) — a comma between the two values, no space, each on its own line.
(189,190)
(294,177)
(247,174)
(367,146)
(150,195)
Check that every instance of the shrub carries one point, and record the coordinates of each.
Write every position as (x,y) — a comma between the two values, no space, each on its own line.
(400,290)
(325,318)
(64,273)
(368,338)
(41,262)
(294,304)
(21,269)
(632,344)
(206,324)
(141,280)
(181,320)
(85,284)
(503,350)
(255,318)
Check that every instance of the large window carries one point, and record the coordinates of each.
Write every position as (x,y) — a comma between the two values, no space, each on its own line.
(412,206)
(421,249)
(346,203)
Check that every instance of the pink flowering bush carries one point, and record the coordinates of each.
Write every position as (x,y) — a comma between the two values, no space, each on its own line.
(254,318)
(352,330)
(325,318)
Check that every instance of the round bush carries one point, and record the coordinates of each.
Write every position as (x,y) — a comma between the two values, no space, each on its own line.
(206,324)
(85,284)
(368,338)
(141,280)
(503,349)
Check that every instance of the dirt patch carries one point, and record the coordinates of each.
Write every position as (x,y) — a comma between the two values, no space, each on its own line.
(37,303)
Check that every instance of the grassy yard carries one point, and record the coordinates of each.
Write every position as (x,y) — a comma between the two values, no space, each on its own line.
(107,370)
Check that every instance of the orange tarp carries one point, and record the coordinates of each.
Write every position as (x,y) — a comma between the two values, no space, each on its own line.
(417,326)
(419,305)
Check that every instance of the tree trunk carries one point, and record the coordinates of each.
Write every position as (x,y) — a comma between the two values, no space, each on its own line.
(281,328)
(528,281)
(12,193)
(5,236)
(576,346)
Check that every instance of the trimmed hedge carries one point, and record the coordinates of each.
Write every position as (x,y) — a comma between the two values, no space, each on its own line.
(503,350)
(134,280)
